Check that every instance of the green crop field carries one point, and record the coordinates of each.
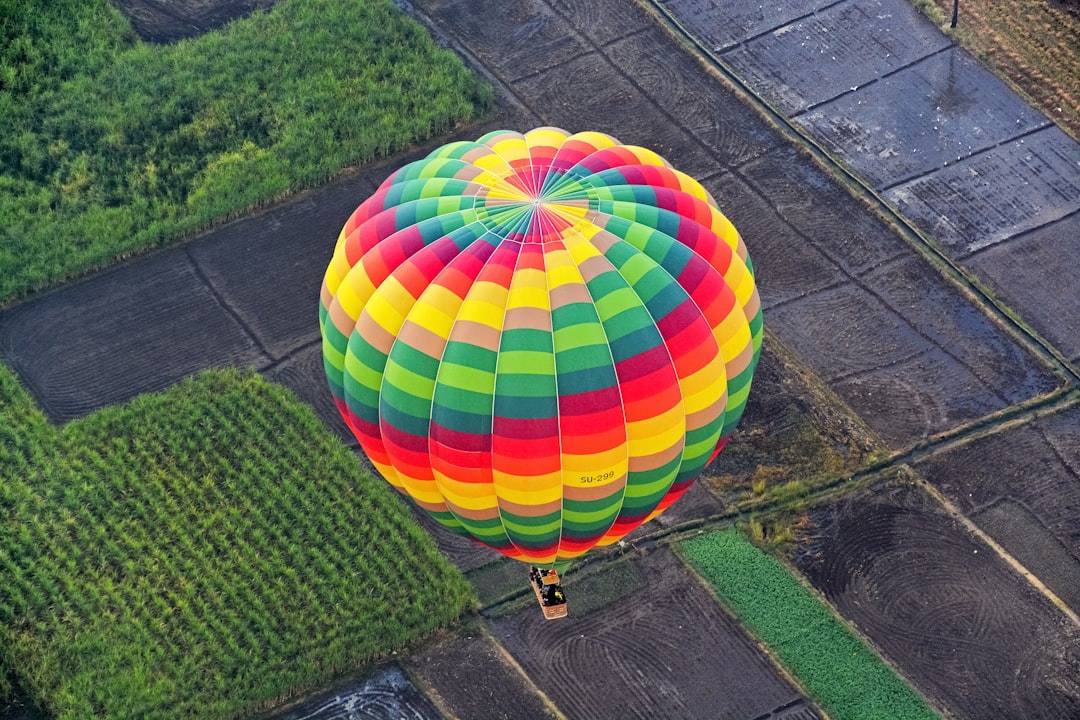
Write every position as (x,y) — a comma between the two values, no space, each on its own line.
(200,553)
(845,676)
(111,145)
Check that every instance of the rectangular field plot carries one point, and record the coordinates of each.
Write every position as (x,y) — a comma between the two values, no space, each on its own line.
(200,553)
(665,650)
(1020,486)
(949,613)
(846,677)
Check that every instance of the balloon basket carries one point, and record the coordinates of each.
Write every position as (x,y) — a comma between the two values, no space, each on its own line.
(549,593)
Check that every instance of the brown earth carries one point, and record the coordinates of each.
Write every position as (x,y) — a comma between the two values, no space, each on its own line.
(1020,486)
(943,606)
(661,649)
(794,429)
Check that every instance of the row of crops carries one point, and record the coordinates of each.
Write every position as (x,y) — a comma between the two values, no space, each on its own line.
(200,554)
(845,676)
(111,145)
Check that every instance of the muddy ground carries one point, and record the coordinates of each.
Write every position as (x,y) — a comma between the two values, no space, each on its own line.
(659,646)
(966,628)
(859,309)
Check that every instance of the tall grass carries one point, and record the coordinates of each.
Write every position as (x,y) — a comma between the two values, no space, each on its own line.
(200,554)
(847,679)
(110,145)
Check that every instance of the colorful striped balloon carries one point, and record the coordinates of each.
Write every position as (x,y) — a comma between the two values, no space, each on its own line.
(541,338)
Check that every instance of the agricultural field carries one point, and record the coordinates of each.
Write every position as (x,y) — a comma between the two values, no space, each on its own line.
(795,438)
(845,676)
(940,602)
(1033,45)
(225,465)
(200,553)
(112,145)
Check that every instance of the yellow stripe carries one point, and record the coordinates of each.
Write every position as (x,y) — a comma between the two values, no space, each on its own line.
(511,147)
(528,490)
(723,227)
(529,290)
(389,305)
(470,496)
(614,458)
(493,164)
(551,136)
(337,270)
(435,310)
(425,491)
(646,156)
(740,338)
(561,269)
(482,311)
(355,292)
(657,433)
(746,288)
(702,389)
(690,186)
(596,139)
(389,474)
(578,243)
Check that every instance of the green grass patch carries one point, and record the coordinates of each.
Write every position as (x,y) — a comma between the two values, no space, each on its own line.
(111,145)
(200,553)
(844,675)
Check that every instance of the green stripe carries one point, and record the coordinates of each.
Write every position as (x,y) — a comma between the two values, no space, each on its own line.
(475,358)
(525,340)
(527,363)
(588,357)
(588,379)
(395,416)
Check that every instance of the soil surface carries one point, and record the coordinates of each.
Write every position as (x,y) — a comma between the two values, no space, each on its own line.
(383,692)
(943,607)
(165,21)
(665,649)
(890,324)
(1021,487)
(468,674)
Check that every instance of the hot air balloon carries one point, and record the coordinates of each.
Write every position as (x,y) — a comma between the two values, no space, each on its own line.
(542,338)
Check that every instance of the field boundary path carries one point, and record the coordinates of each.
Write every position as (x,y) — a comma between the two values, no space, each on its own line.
(915,228)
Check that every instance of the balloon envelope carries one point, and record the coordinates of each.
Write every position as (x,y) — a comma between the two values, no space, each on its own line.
(541,338)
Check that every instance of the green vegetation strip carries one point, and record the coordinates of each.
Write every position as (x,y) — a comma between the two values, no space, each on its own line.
(848,680)
(200,553)
(111,145)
